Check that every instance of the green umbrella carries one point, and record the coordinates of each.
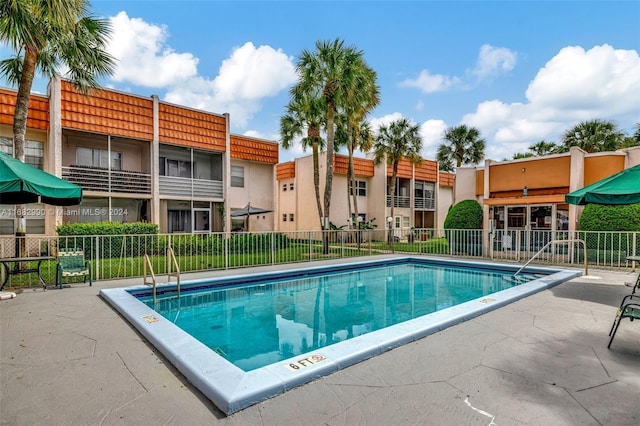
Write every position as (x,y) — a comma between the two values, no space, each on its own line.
(22,183)
(620,188)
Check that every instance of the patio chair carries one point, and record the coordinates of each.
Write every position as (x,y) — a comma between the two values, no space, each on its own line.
(629,308)
(71,263)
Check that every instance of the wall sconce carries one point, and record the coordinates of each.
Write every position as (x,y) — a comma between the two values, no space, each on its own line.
(525,191)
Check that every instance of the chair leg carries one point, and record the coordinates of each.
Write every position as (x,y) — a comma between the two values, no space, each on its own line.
(614,329)
(616,320)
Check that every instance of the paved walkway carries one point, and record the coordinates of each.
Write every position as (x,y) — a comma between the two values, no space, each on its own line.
(67,358)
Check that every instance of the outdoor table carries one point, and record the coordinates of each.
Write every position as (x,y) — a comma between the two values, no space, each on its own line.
(15,271)
(633,260)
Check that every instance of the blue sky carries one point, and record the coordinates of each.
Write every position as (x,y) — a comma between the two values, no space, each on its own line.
(519,71)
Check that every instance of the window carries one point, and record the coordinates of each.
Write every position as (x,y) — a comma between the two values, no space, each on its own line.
(284,187)
(291,217)
(284,217)
(237,176)
(361,188)
(177,168)
(33,151)
(291,186)
(405,222)
(92,157)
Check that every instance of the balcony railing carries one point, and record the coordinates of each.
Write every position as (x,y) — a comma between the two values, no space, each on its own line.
(105,180)
(399,201)
(424,203)
(170,185)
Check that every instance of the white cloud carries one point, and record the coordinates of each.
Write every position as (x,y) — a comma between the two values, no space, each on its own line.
(385,119)
(143,58)
(493,61)
(431,132)
(431,83)
(575,85)
(247,76)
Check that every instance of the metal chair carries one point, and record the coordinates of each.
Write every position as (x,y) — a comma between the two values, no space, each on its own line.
(71,263)
(629,308)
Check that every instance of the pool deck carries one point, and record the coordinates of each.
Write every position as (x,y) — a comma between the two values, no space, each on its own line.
(68,358)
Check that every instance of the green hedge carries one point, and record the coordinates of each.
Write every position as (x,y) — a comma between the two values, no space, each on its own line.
(116,239)
(597,217)
(612,224)
(466,214)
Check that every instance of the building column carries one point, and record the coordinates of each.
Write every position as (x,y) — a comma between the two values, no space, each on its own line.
(576,181)
(53,159)
(227,175)
(155,163)
(486,217)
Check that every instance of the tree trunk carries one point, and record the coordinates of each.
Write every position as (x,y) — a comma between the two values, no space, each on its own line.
(19,132)
(316,175)
(392,189)
(329,171)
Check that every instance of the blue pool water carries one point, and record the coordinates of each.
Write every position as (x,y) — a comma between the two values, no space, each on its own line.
(275,319)
(260,334)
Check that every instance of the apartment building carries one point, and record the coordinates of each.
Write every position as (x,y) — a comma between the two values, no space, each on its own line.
(528,194)
(423,194)
(140,159)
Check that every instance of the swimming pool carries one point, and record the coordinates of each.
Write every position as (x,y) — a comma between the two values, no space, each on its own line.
(317,336)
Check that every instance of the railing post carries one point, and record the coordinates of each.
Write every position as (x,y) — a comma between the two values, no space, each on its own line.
(273,251)
(97,258)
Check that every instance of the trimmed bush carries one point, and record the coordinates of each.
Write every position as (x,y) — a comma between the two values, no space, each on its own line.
(596,217)
(612,224)
(132,239)
(466,214)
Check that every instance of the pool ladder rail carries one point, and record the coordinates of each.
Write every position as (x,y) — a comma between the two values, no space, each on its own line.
(173,270)
(584,248)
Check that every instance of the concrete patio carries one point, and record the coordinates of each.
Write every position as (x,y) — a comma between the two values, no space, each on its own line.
(67,358)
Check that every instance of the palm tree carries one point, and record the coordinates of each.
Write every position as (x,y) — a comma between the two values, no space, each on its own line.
(400,139)
(359,136)
(465,147)
(47,35)
(543,148)
(593,136)
(331,72)
(305,113)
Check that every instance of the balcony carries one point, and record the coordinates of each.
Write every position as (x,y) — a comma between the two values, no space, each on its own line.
(105,180)
(424,203)
(403,202)
(187,187)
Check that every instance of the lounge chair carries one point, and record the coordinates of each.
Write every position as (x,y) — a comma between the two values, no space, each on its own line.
(71,263)
(629,308)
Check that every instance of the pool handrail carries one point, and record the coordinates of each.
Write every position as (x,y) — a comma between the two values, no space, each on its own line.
(574,240)
(171,260)
(147,264)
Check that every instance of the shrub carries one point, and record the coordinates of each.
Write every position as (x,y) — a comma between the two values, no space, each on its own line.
(609,226)
(140,238)
(596,217)
(466,214)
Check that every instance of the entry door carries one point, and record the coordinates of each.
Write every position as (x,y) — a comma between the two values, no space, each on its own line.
(201,220)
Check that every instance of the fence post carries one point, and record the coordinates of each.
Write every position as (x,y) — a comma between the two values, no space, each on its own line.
(97,274)
(273,251)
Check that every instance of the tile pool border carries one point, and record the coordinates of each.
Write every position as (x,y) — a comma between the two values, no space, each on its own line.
(232,389)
